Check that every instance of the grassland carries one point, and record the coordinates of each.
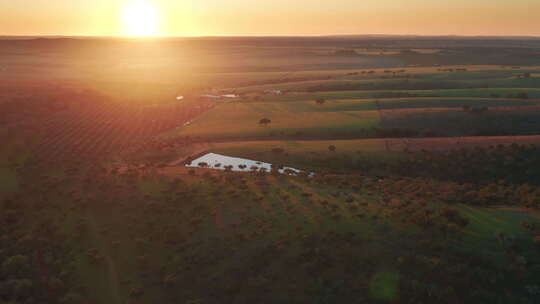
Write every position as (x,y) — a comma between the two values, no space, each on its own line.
(241,120)
(237,232)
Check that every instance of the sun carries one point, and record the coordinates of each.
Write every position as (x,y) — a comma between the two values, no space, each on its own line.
(140,19)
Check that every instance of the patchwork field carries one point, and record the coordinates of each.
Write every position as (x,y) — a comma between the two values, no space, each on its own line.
(360,118)
(533,93)
(419,181)
(315,154)
(408,82)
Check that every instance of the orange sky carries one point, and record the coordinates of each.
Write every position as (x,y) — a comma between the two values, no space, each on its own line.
(272,17)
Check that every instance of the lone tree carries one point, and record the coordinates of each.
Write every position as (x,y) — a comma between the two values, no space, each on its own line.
(523,95)
(264,121)
(320,101)
(332,148)
(476,110)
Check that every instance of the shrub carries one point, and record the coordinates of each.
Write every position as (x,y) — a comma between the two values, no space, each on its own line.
(17,265)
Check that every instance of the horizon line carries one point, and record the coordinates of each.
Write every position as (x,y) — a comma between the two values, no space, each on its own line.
(264,36)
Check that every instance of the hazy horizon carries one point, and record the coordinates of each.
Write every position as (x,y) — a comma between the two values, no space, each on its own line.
(269,18)
(271,36)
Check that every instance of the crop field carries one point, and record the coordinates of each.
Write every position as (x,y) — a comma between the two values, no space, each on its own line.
(279,80)
(363,118)
(533,93)
(77,128)
(241,120)
(400,83)
(315,155)
(454,122)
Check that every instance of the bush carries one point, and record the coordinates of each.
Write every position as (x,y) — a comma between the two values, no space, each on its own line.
(72,298)
(16,289)
(16,266)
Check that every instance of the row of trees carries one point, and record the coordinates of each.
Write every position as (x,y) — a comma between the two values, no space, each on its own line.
(93,126)
(521,95)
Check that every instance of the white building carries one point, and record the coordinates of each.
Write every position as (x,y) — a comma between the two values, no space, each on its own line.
(274,92)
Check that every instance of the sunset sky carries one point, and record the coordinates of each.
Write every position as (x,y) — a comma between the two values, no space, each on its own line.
(268,17)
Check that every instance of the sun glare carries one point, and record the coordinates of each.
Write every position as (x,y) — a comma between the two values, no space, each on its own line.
(140,19)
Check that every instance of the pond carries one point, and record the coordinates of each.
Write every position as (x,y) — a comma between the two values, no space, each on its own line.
(222,162)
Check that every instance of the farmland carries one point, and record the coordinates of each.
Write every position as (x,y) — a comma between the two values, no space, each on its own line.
(419,168)
(361,118)
(288,119)
(314,154)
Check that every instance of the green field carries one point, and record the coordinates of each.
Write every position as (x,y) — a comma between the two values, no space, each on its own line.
(534,93)
(373,84)
(304,119)
(314,154)
(311,155)
(350,118)
(202,234)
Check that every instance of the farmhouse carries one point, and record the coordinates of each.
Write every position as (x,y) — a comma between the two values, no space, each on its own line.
(274,92)
(211,96)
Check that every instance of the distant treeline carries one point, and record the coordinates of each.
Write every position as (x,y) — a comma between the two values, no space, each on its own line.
(419,84)
(514,164)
